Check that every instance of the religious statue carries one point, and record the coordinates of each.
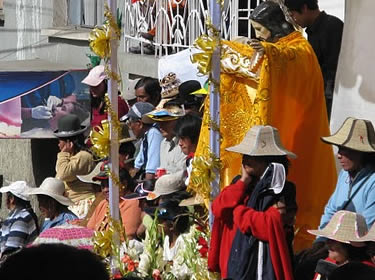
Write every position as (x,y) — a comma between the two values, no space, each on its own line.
(276,80)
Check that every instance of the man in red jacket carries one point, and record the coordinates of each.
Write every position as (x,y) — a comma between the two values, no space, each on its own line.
(257,209)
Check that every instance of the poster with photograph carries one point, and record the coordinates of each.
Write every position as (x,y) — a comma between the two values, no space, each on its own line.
(32,103)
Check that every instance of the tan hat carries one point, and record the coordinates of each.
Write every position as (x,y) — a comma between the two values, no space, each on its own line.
(261,141)
(125,135)
(344,226)
(19,189)
(54,188)
(191,201)
(370,236)
(168,184)
(354,134)
(89,177)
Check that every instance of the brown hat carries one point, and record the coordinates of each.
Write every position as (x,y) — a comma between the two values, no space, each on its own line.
(344,226)
(354,134)
(261,141)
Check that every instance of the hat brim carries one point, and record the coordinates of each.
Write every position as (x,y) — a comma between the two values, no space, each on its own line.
(59,198)
(243,149)
(21,196)
(152,196)
(92,82)
(322,233)
(126,140)
(335,140)
(89,178)
(191,201)
(65,134)
(133,196)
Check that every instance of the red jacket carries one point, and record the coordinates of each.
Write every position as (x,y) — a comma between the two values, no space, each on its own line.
(97,117)
(231,214)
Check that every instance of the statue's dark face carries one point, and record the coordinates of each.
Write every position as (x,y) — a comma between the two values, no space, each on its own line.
(261,32)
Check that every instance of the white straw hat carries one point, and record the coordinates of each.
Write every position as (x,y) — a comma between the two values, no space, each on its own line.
(54,188)
(168,184)
(261,141)
(344,226)
(354,134)
(19,189)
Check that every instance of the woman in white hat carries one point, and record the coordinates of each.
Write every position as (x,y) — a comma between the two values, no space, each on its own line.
(258,206)
(21,226)
(97,81)
(52,203)
(342,235)
(355,188)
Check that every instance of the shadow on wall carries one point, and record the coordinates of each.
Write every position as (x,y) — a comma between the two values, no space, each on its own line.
(355,73)
(44,156)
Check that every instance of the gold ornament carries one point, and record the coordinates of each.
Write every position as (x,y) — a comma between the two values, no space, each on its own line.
(99,137)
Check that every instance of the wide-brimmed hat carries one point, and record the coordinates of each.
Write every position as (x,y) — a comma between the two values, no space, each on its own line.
(354,134)
(167,184)
(191,201)
(103,173)
(95,76)
(370,236)
(125,135)
(141,191)
(89,178)
(344,226)
(138,110)
(54,188)
(19,189)
(69,126)
(165,114)
(262,141)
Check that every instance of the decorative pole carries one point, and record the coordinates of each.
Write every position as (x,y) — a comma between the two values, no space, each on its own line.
(113,97)
(214,31)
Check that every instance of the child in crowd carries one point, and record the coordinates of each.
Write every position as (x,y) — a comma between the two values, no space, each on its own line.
(148,158)
(21,226)
(344,227)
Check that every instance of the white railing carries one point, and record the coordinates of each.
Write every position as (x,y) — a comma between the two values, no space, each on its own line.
(176,23)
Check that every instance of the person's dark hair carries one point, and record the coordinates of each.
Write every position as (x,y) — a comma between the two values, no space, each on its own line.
(189,126)
(270,15)
(268,159)
(24,204)
(356,253)
(353,270)
(368,159)
(125,177)
(297,5)
(151,87)
(78,142)
(96,101)
(127,148)
(54,261)
(53,207)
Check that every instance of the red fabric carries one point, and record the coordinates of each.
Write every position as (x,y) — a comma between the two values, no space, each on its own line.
(230,215)
(223,230)
(97,117)
(267,226)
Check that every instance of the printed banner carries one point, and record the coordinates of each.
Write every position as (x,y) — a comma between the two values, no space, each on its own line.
(31,103)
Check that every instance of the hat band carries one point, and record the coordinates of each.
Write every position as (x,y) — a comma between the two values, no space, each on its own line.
(67,132)
(137,112)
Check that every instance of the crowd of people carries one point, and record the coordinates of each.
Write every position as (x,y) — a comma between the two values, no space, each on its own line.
(254,216)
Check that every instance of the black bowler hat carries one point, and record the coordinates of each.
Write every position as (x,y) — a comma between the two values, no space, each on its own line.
(69,126)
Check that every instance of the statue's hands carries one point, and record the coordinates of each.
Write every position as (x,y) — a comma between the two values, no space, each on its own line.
(256,45)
